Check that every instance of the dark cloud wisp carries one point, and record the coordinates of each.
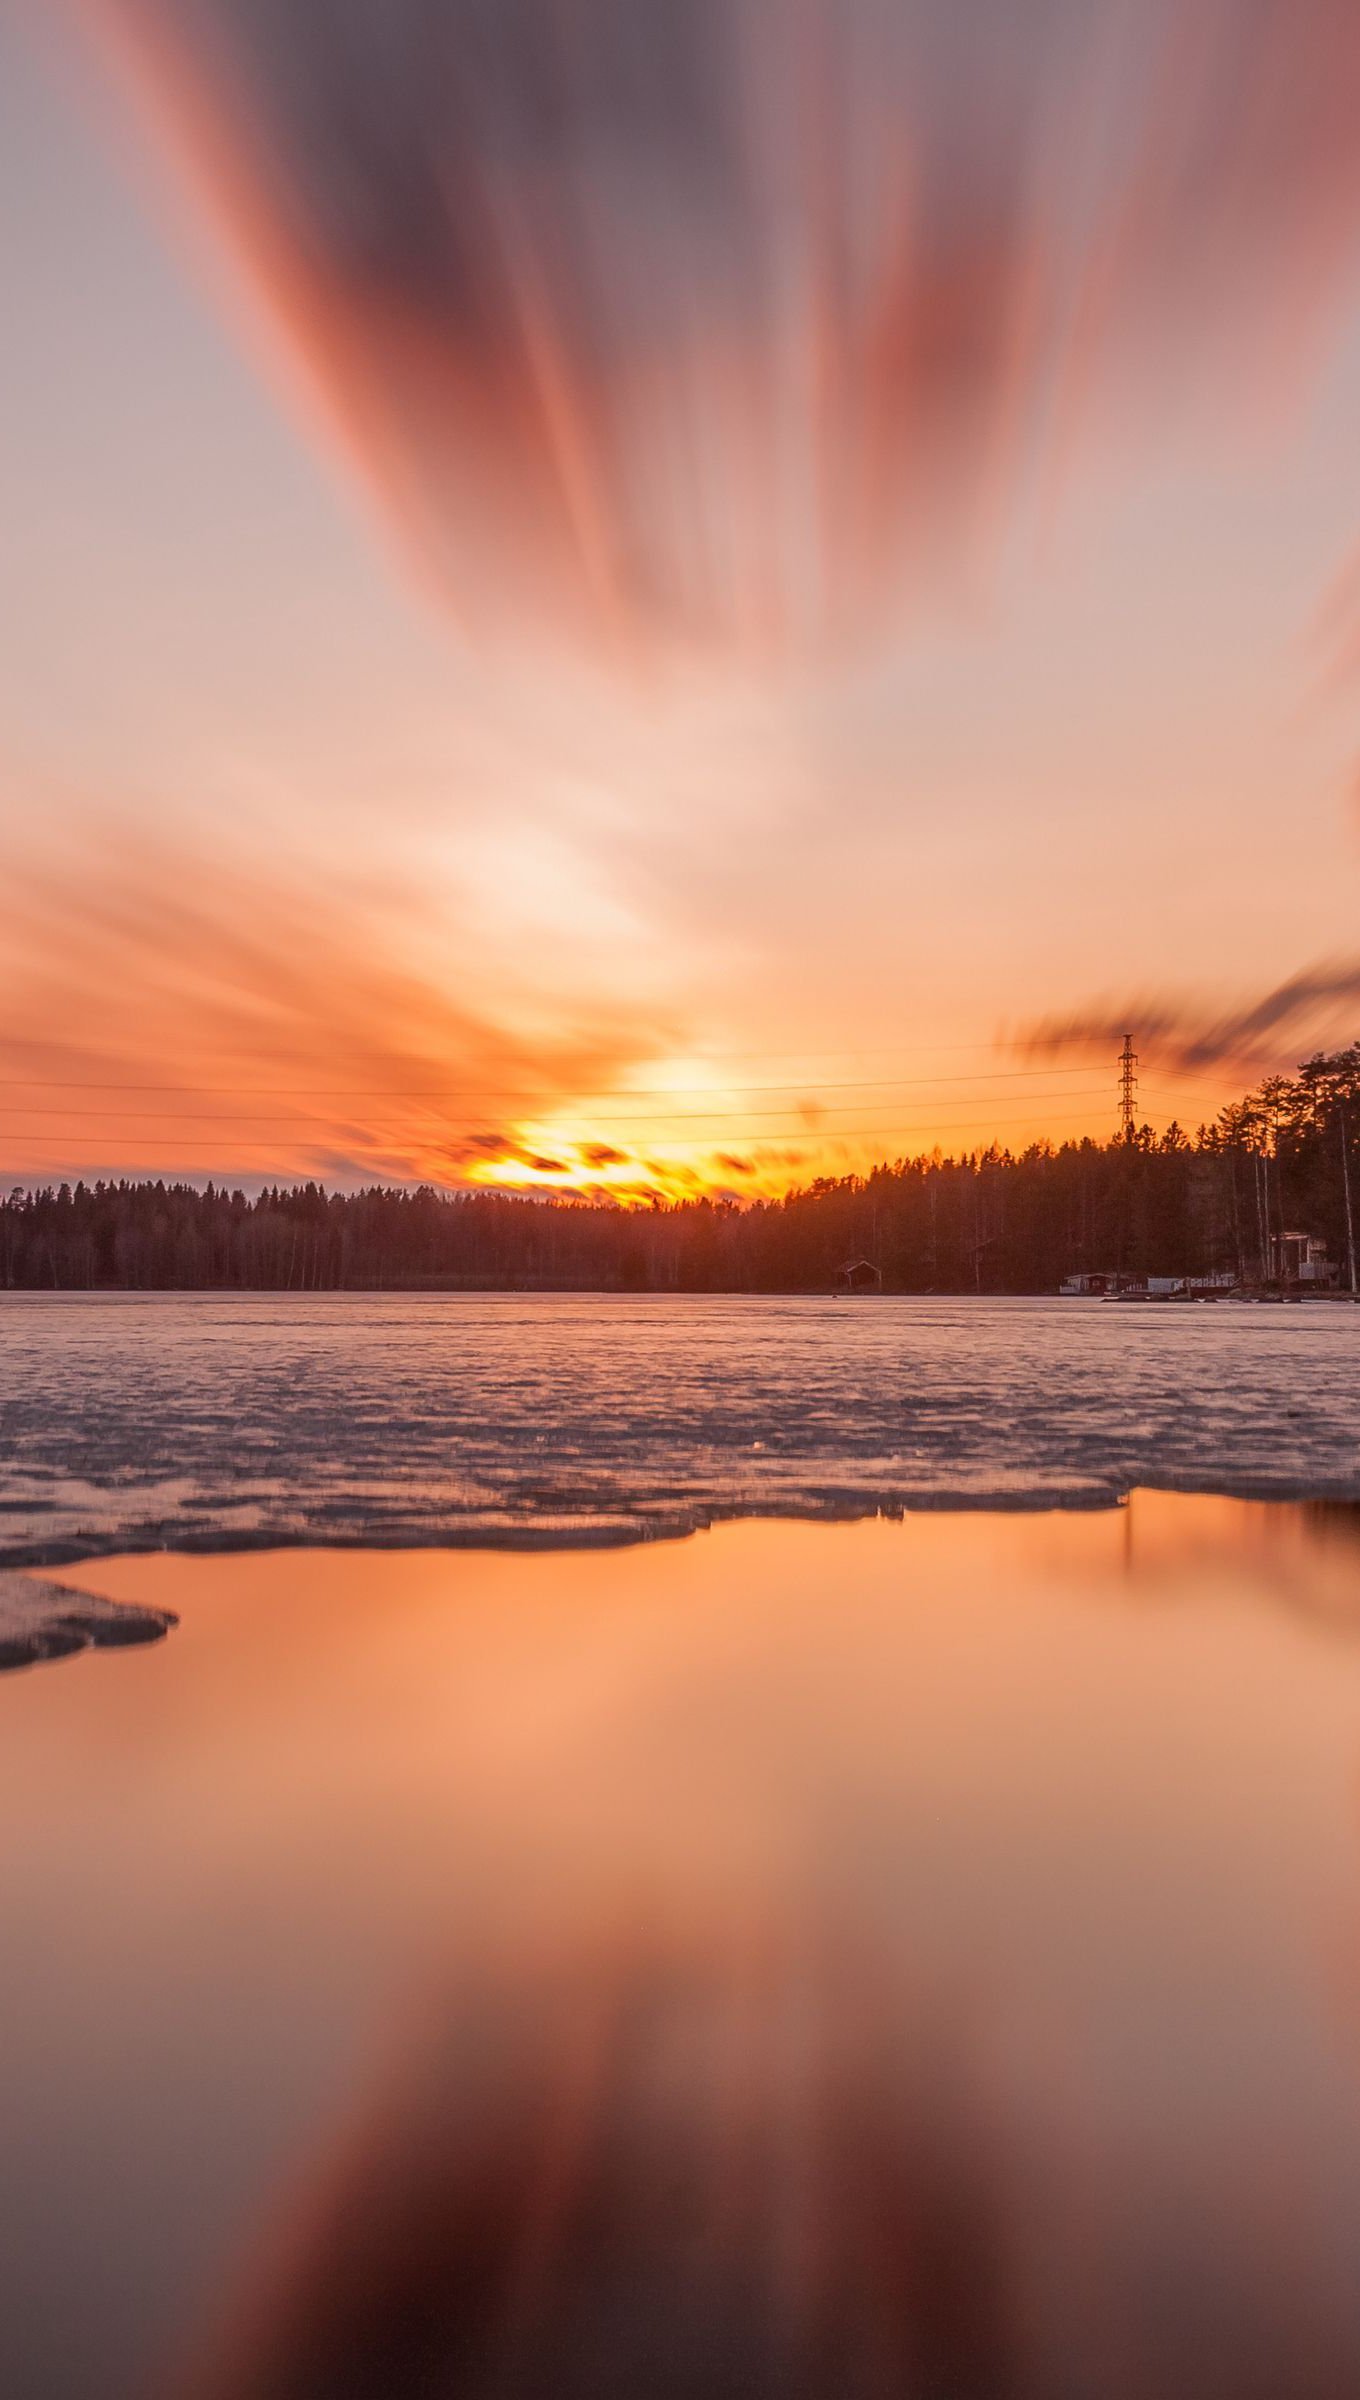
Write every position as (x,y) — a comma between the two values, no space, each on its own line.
(677,320)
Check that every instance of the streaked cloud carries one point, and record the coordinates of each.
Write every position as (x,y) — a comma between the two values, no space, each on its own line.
(1318,1003)
(695,321)
(184,1008)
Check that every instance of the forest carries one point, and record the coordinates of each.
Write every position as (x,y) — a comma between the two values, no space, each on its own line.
(1282,1159)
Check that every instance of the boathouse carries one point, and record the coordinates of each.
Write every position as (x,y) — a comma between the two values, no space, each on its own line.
(859,1275)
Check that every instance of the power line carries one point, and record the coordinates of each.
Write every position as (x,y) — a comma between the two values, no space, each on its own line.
(556,1094)
(1186,1075)
(707,1057)
(803,1134)
(672,1116)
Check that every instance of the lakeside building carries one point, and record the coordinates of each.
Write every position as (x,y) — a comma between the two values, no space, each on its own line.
(1111,1285)
(1298,1263)
(1301,1258)
(859,1275)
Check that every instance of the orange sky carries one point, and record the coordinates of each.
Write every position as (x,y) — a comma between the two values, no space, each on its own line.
(643,655)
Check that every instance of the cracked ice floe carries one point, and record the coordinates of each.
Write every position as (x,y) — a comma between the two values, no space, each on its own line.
(41,1620)
(540,1422)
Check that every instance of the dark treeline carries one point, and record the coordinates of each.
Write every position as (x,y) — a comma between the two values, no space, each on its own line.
(1283,1159)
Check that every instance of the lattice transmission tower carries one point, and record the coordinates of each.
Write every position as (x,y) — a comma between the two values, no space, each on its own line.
(1128,1088)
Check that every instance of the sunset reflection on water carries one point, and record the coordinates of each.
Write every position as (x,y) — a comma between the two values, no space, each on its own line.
(815,1959)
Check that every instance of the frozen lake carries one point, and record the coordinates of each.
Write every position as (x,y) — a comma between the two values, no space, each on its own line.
(206,1421)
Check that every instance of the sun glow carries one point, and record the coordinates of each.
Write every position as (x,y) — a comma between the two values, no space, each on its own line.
(637,1175)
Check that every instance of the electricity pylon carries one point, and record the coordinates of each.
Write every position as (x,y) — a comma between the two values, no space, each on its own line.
(1128,1088)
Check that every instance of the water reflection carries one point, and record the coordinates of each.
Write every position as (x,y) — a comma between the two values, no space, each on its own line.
(715,2169)
(882,1958)
(1335,1520)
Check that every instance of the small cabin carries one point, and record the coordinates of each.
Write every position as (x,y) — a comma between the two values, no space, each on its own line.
(1302,1258)
(859,1275)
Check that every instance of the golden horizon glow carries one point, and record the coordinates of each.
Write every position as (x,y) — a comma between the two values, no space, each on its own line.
(628,1147)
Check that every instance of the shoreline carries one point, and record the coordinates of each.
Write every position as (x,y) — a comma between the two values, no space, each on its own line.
(610,1529)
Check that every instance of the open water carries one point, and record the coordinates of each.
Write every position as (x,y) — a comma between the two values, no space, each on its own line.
(843,1960)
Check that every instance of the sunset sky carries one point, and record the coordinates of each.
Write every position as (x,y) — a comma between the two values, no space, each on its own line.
(630,594)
